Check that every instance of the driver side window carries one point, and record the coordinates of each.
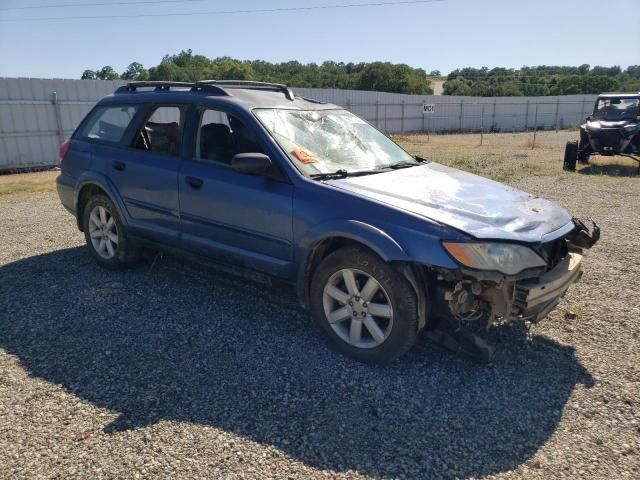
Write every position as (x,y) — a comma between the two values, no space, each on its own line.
(222,135)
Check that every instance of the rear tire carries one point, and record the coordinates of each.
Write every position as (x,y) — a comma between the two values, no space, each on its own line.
(365,308)
(105,234)
(570,156)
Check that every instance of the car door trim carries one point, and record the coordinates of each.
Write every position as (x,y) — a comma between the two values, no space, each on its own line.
(151,207)
(205,221)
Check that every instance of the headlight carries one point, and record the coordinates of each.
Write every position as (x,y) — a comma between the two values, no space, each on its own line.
(631,127)
(507,258)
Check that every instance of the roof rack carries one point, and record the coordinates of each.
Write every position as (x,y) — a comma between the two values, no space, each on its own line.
(214,86)
(313,100)
(162,86)
(279,87)
(159,86)
(620,94)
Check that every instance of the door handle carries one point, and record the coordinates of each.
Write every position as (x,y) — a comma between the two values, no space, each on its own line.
(194,182)
(117,165)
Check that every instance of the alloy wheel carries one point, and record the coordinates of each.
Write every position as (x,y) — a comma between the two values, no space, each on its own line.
(358,308)
(103,232)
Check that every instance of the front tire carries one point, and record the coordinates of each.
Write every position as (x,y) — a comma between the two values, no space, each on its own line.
(570,157)
(365,308)
(584,148)
(105,234)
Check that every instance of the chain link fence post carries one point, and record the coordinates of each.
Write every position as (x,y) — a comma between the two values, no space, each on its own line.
(402,119)
(557,114)
(430,127)
(56,107)
(386,118)
(535,128)
(493,114)
(482,125)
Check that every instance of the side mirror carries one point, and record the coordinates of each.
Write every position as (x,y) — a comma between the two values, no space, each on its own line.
(590,118)
(251,163)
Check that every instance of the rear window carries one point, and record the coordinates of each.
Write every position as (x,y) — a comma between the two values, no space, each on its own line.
(108,124)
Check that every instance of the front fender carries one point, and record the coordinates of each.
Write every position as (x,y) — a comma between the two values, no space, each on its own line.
(392,243)
(374,238)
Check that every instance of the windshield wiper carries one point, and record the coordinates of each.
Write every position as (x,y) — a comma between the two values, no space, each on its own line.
(326,176)
(344,174)
(403,164)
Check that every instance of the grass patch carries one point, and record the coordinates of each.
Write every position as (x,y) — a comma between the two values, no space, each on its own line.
(505,157)
(28,183)
(508,157)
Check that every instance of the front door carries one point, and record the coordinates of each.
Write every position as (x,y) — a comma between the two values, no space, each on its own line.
(230,216)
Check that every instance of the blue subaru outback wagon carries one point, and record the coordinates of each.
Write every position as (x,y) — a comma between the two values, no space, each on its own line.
(379,245)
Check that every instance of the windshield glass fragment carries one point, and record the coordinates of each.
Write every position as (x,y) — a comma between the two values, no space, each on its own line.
(327,141)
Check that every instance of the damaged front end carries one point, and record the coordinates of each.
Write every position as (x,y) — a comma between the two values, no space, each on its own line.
(493,297)
(529,295)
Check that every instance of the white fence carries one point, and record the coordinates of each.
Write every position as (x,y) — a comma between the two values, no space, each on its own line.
(36,115)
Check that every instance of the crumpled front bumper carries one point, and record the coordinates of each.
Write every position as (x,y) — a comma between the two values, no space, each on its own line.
(534,299)
(496,298)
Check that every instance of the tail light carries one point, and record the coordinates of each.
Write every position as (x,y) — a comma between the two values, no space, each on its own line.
(64,148)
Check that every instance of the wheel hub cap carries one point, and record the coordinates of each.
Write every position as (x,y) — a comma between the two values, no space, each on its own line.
(357,308)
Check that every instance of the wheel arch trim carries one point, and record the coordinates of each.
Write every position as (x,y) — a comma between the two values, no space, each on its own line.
(109,190)
(356,231)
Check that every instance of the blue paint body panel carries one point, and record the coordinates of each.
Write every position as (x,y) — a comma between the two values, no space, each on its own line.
(273,225)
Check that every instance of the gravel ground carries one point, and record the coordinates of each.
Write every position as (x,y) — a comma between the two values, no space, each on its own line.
(180,371)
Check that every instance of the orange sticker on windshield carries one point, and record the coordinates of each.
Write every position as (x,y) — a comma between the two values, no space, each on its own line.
(303,156)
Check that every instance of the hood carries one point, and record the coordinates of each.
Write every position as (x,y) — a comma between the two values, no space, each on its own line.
(475,205)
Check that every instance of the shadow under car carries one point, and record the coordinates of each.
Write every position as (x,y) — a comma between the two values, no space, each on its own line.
(189,344)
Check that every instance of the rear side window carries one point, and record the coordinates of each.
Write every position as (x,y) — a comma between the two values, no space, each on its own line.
(108,124)
(162,132)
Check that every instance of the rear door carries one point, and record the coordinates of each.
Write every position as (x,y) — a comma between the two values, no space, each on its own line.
(146,173)
(230,216)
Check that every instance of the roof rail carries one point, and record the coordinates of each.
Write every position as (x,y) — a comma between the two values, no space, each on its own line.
(313,100)
(214,86)
(159,86)
(163,86)
(621,94)
(279,87)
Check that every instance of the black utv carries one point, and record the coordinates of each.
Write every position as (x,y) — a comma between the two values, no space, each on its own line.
(612,129)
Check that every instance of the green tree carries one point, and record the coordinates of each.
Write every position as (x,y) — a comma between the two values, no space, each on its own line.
(227,69)
(168,71)
(386,77)
(135,71)
(541,80)
(457,86)
(88,75)
(107,73)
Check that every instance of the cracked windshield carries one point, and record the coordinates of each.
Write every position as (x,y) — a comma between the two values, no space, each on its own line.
(327,141)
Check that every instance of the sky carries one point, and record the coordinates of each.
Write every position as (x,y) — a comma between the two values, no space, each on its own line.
(441,35)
